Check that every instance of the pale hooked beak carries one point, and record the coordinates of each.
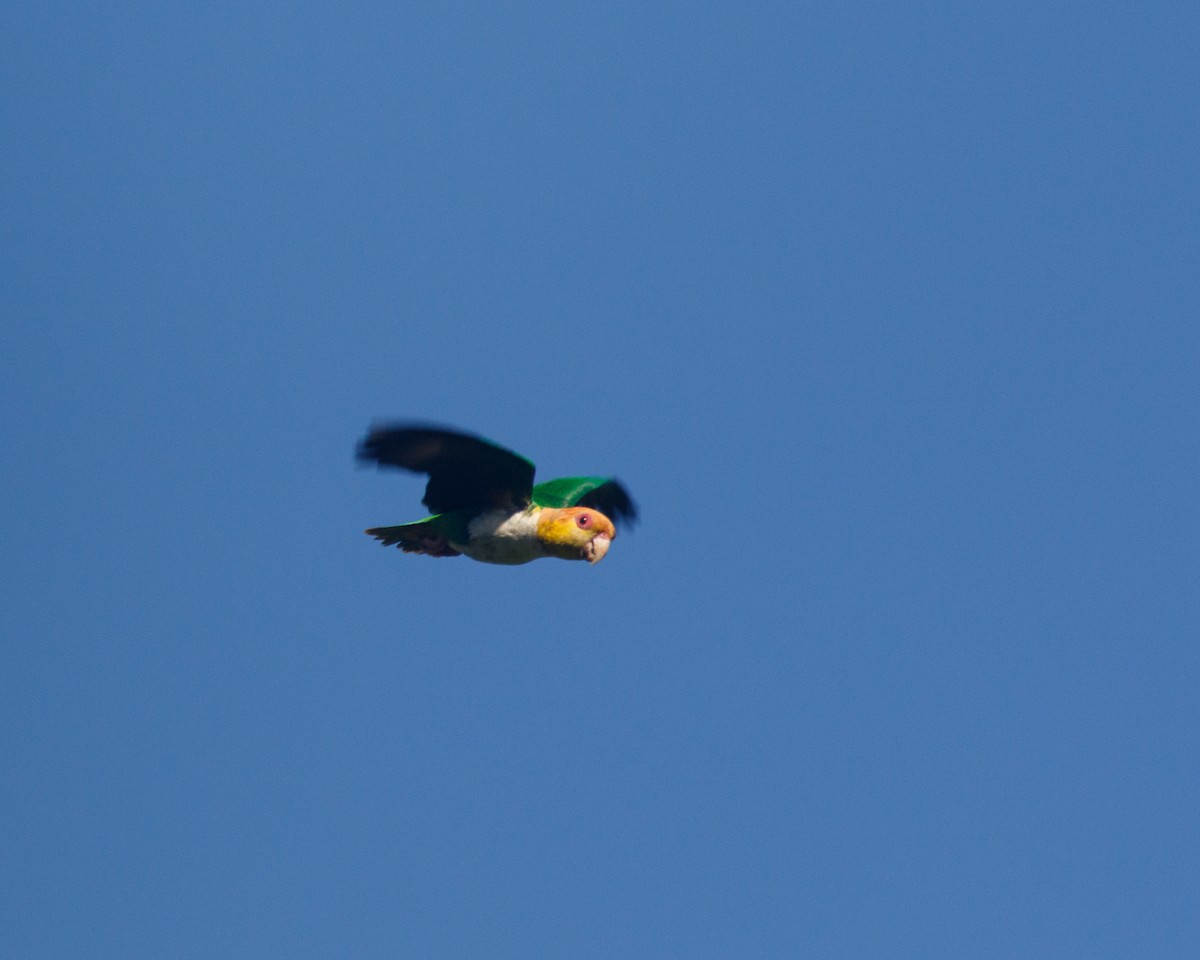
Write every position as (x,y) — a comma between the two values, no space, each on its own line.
(595,549)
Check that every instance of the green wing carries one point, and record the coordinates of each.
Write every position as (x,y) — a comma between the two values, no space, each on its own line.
(600,493)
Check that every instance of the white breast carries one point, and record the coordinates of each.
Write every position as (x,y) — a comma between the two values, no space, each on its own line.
(500,536)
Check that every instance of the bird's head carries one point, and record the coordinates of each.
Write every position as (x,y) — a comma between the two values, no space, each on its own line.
(575,533)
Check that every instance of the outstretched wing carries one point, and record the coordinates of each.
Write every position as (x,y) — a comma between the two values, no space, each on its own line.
(600,493)
(464,471)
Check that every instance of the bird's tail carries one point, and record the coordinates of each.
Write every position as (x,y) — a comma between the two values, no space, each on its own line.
(420,537)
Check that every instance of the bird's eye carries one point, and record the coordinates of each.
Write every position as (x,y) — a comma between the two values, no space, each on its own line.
(583,520)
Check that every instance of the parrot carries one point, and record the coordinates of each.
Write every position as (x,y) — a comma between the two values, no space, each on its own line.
(484,502)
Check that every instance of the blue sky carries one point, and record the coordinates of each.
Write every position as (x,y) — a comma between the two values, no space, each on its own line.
(887,316)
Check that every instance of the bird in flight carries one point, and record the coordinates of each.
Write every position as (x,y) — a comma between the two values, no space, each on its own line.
(485,504)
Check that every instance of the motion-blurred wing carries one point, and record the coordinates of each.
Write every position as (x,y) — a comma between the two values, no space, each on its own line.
(600,493)
(464,471)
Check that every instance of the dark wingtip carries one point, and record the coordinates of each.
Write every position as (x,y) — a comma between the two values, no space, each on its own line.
(362,449)
(368,449)
(623,505)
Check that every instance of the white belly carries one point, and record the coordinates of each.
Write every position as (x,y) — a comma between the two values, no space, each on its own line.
(499,536)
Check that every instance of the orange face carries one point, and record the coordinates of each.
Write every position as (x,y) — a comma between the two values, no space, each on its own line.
(576,533)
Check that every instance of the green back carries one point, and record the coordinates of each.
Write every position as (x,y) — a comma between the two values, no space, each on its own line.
(565,491)
(600,493)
